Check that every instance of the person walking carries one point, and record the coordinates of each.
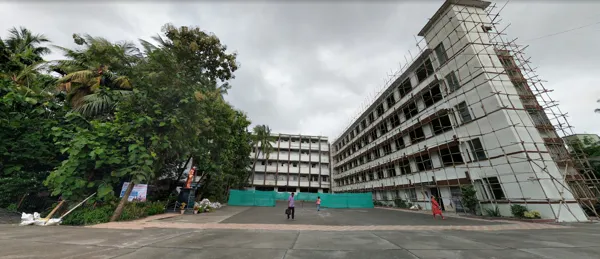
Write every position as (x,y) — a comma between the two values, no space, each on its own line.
(291,206)
(318,203)
(435,208)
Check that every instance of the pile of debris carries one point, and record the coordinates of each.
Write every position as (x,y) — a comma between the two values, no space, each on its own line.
(207,203)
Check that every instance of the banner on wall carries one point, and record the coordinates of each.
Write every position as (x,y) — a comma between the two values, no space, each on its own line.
(138,193)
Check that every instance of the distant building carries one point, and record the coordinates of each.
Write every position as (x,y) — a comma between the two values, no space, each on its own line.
(298,163)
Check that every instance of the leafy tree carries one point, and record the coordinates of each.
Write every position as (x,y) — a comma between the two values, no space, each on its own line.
(27,150)
(261,140)
(591,150)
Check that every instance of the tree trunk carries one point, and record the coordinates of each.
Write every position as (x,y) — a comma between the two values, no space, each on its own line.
(254,164)
(119,210)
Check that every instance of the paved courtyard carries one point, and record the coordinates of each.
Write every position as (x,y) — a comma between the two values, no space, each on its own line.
(241,232)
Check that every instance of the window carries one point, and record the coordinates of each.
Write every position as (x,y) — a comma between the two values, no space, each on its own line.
(380,110)
(395,120)
(371,176)
(424,162)
(506,62)
(424,70)
(404,87)
(440,52)
(399,143)
(376,153)
(441,124)
(410,110)
(387,149)
(416,135)
(295,164)
(495,188)
(373,135)
(391,100)
(391,172)
(477,151)
(452,82)
(371,118)
(463,111)
(451,156)
(432,96)
(380,175)
(404,167)
(363,124)
(262,162)
(411,195)
(383,127)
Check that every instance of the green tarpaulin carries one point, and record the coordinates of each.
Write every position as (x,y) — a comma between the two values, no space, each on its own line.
(268,199)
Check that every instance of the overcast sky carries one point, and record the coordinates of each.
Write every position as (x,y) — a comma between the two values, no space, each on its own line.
(306,68)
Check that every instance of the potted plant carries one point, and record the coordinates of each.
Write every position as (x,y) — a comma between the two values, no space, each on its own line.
(182,207)
(196,208)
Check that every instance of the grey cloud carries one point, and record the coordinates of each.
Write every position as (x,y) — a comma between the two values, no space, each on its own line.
(307,67)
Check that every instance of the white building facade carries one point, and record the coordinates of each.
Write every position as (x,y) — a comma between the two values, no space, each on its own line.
(462,113)
(298,163)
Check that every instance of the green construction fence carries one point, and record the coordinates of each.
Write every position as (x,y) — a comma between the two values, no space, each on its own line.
(269,198)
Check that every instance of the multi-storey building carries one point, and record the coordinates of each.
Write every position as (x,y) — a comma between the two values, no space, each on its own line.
(298,163)
(462,113)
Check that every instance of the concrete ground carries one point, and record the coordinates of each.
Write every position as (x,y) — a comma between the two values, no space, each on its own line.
(187,236)
(307,214)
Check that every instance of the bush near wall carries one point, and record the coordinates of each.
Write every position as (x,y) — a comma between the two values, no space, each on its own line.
(89,215)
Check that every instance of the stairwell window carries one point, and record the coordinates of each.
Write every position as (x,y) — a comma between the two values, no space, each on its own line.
(477,151)
(463,111)
(440,52)
(452,82)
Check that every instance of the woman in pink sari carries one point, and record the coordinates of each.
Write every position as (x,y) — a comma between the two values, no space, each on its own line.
(435,208)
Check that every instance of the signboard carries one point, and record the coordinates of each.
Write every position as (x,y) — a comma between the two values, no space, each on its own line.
(138,193)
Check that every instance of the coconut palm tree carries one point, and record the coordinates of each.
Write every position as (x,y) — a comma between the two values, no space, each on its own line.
(92,88)
(21,55)
(261,139)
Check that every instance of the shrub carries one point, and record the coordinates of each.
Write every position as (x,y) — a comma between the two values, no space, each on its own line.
(400,203)
(493,212)
(156,207)
(518,211)
(134,210)
(12,207)
(88,215)
(532,214)
(469,197)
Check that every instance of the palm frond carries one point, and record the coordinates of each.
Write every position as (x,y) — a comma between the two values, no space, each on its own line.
(101,103)
(95,104)
(148,47)
(78,76)
(122,82)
